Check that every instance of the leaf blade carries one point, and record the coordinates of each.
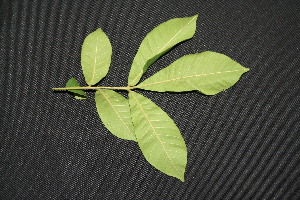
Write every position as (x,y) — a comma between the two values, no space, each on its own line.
(113,109)
(78,94)
(208,72)
(95,56)
(154,129)
(154,44)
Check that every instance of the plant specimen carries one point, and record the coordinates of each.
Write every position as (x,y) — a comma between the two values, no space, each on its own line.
(138,118)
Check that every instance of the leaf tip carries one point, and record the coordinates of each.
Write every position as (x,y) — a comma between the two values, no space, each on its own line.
(181,178)
(195,16)
(99,29)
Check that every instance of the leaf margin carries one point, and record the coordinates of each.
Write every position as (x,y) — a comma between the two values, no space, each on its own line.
(78,94)
(161,52)
(180,174)
(146,83)
(106,95)
(102,66)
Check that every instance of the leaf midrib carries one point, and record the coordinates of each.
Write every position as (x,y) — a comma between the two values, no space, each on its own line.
(115,111)
(176,34)
(165,45)
(95,60)
(148,120)
(175,79)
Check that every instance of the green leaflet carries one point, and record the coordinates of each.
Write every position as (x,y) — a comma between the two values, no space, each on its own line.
(207,72)
(114,112)
(95,56)
(157,42)
(78,94)
(158,136)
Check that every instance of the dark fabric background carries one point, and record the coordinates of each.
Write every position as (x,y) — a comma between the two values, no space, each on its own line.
(242,143)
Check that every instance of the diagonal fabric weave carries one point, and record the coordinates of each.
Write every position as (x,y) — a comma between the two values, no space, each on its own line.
(242,143)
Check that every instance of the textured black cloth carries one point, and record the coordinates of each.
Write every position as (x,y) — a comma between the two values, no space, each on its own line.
(243,143)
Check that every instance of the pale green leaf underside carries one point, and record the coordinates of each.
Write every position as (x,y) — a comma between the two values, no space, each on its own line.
(157,42)
(78,94)
(114,112)
(95,56)
(158,136)
(207,72)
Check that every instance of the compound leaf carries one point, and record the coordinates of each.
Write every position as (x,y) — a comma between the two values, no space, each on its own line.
(95,56)
(114,112)
(207,72)
(158,136)
(157,42)
(78,94)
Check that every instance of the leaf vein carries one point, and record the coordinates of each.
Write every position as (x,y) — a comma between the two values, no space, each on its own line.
(175,79)
(176,34)
(115,111)
(157,135)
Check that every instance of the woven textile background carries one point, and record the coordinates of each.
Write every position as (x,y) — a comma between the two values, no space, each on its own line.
(243,143)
